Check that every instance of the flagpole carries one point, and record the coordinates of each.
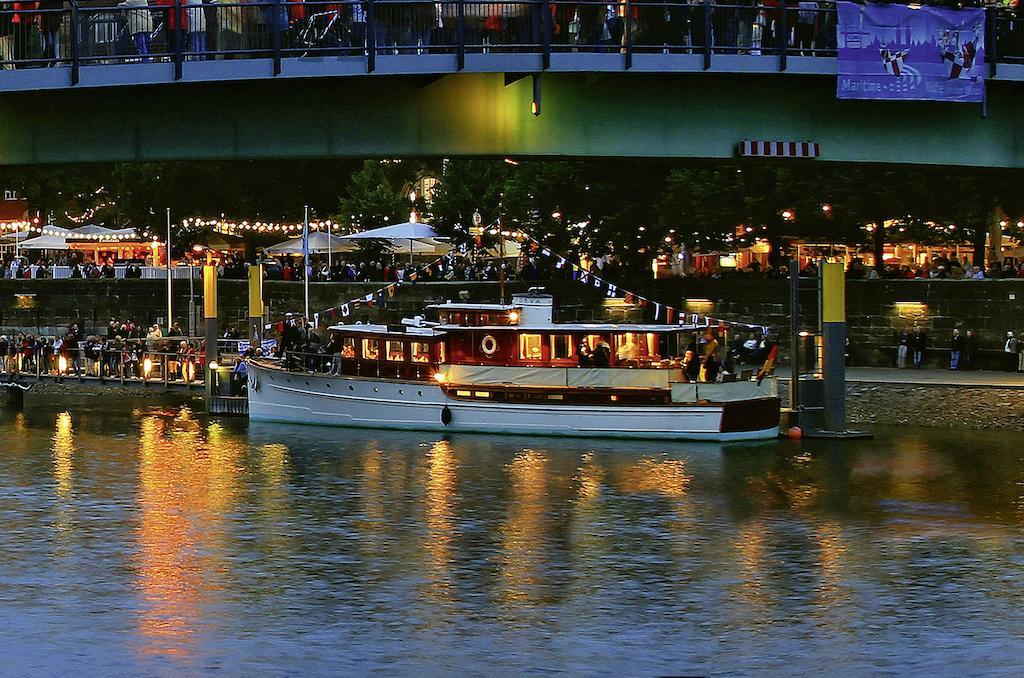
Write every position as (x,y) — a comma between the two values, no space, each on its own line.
(170,285)
(501,261)
(305,258)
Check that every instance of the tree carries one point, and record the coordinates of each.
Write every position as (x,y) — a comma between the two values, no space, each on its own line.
(378,194)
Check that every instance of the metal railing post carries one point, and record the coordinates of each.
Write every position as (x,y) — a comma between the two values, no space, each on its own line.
(460,35)
(709,34)
(179,38)
(278,28)
(75,35)
(371,36)
(991,41)
(782,38)
(545,34)
(628,34)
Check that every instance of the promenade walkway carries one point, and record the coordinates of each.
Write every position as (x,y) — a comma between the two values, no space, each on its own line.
(925,377)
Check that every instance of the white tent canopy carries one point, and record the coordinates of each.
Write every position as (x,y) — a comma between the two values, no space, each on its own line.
(45,242)
(19,236)
(410,230)
(95,232)
(411,236)
(319,243)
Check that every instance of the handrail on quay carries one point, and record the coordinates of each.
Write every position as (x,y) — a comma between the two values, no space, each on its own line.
(167,37)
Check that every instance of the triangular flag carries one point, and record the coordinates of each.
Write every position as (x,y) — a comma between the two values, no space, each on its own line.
(316,321)
(391,290)
(368,298)
(412,276)
(345,311)
(584,277)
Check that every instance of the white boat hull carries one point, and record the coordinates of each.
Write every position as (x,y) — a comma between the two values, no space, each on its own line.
(295,397)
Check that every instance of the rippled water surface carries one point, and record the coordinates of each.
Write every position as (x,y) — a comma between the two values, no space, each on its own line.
(157,541)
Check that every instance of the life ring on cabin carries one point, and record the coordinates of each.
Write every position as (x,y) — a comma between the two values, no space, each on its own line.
(489,345)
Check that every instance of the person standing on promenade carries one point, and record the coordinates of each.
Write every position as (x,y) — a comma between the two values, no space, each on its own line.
(956,347)
(902,348)
(970,351)
(918,343)
(1011,348)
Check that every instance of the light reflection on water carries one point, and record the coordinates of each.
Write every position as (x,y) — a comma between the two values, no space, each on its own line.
(161,541)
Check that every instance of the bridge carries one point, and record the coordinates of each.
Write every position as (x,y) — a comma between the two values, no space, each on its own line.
(524,79)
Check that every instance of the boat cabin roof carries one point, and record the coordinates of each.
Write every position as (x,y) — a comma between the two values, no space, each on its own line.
(404,330)
(457,306)
(566,328)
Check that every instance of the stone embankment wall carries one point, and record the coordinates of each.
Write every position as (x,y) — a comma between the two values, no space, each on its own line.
(876,310)
(955,407)
(931,406)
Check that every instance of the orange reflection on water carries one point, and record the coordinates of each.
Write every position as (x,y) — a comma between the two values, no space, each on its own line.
(523,535)
(831,554)
(63,454)
(439,505)
(63,471)
(589,477)
(668,477)
(186,484)
(752,590)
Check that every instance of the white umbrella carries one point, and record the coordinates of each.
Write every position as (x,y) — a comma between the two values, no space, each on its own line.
(411,236)
(319,243)
(410,230)
(45,242)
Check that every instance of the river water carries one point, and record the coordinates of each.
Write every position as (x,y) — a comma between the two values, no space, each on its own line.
(152,540)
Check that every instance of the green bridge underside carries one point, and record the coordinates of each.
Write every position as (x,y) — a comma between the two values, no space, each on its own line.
(583,115)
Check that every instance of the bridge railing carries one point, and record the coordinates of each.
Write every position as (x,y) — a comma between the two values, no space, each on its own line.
(177,31)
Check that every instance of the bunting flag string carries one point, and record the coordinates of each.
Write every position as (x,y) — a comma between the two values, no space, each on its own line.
(672,315)
(376,297)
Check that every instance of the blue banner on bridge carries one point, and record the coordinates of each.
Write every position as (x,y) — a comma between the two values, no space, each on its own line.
(903,52)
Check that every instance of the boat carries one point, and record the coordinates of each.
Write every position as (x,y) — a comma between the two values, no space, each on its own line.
(510,369)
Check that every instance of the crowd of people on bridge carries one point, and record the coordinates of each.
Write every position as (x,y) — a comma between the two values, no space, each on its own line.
(31,32)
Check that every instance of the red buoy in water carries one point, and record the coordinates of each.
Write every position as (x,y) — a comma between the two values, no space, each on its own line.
(795,433)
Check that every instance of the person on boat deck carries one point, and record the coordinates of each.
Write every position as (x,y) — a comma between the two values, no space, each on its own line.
(709,368)
(583,353)
(710,344)
(602,354)
(690,365)
(334,348)
(627,354)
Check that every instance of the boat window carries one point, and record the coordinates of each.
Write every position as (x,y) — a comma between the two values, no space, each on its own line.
(395,351)
(371,349)
(420,352)
(561,346)
(348,347)
(529,347)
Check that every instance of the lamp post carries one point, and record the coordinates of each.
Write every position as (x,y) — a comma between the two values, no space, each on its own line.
(305,258)
(167,261)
